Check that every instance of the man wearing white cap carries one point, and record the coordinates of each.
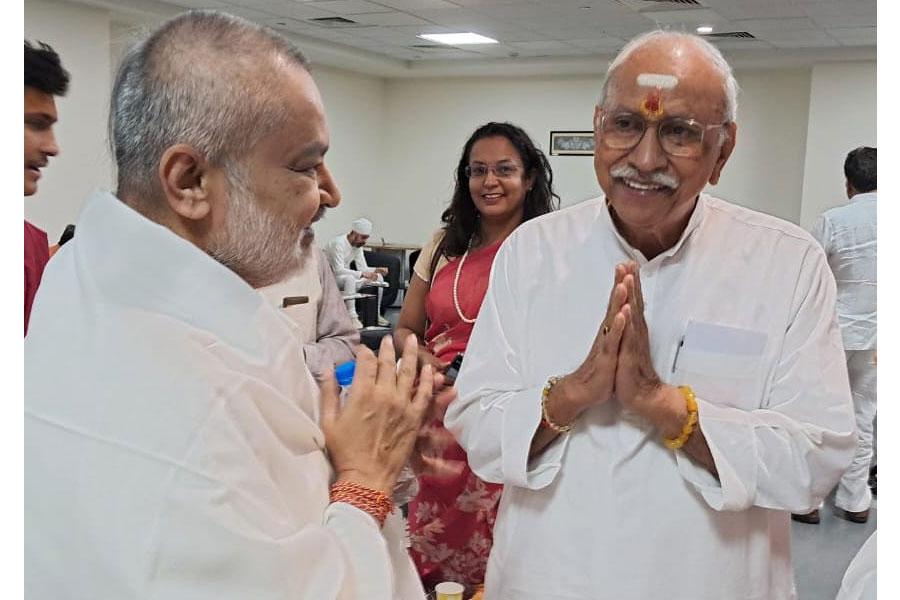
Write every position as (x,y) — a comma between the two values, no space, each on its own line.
(346,249)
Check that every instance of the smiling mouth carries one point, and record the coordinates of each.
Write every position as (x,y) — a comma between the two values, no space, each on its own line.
(491,196)
(641,186)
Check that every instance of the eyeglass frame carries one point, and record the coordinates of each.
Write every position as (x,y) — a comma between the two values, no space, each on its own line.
(467,170)
(658,123)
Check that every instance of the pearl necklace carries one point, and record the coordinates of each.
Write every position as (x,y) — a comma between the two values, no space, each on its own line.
(456,283)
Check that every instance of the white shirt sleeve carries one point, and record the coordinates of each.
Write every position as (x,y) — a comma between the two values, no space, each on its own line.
(788,454)
(209,547)
(359,257)
(497,413)
(340,254)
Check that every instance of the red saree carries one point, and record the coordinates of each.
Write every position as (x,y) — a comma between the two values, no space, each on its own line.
(451,522)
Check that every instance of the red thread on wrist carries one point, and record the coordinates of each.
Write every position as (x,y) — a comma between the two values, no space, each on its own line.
(373,502)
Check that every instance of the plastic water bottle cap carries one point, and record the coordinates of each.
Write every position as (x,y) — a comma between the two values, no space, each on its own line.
(344,373)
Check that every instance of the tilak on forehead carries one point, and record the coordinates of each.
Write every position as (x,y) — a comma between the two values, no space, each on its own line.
(652,107)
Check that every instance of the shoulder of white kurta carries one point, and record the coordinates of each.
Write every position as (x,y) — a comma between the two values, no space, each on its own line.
(554,226)
(758,222)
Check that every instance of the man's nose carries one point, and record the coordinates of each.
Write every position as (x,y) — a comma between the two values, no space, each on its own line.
(49,145)
(329,194)
(648,156)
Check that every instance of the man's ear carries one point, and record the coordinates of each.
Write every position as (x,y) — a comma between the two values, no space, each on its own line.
(724,152)
(184,175)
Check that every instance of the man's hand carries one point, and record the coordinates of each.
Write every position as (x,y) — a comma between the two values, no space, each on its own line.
(637,384)
(371,438)
(370,275)
(592,382)
(382,271)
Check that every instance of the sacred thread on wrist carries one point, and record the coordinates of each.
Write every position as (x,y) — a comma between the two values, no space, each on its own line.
(375,503)
(691,401)
(546,421)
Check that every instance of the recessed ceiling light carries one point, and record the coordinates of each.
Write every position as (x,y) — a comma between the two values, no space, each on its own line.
(457,39)
(704,29)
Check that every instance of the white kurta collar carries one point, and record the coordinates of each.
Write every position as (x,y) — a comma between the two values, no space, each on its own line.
(163,272)
(694,222)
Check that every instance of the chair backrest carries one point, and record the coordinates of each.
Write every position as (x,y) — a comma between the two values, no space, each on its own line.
(413,258)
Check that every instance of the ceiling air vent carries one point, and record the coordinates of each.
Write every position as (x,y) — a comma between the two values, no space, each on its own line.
(648,6)
(427,47)
(731,34)
(334,22)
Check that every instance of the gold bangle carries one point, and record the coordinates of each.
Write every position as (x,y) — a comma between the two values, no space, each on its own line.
(545,418)
(686,431)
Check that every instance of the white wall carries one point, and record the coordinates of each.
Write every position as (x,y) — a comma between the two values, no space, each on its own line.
(81,37)
(354,105)
(841,118)
(429,120)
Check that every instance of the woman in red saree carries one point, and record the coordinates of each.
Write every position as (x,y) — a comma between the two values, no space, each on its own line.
(502,180)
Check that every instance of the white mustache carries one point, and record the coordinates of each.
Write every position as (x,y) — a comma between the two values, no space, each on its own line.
(629,172)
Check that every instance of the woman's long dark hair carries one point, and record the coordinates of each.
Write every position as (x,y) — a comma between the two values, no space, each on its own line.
(461,217)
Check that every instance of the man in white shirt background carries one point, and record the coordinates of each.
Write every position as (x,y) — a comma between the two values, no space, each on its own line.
(346,249)
(655,424)
(848,234)
(175,442)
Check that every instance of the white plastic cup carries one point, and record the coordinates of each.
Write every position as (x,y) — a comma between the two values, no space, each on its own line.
(449,590)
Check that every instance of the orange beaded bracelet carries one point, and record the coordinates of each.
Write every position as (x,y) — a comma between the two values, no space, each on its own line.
(374,502)
(688,429)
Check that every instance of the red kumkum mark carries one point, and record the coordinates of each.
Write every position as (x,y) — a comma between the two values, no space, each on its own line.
(652,105)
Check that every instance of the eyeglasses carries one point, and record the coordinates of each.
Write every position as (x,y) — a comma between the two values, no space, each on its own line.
(505,170)
(677,136)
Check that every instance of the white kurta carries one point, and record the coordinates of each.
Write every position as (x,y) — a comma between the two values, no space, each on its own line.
(341,253)
(607,512)
(171,439)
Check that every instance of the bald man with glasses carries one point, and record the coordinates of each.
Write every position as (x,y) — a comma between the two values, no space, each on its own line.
(655,423)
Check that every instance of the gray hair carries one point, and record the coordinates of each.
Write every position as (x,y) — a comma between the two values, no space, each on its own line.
(203,78)
(713,54)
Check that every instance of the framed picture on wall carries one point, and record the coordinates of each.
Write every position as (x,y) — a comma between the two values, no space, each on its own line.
(571,143)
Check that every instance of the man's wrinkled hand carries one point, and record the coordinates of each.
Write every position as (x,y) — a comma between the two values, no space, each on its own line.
(371,439)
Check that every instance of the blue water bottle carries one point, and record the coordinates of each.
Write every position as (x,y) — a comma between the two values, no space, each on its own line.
(344,374)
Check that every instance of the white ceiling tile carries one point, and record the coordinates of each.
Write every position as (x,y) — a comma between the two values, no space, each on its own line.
(741,44)
(843,33)
(787,44)
(764,25)
(755,9)
(705,15)
(417,5)
(601,43)
(834,22)
(545,46)
(803,35)
(392,18)
(348,7)
(836,9)
(280,8)
(198,4)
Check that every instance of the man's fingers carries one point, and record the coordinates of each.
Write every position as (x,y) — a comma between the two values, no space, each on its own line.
(442,400)
(366,368)
(387,363)
(638,292)
(440,468)
(616,329)
(407,375)
(422,400)
(331,399)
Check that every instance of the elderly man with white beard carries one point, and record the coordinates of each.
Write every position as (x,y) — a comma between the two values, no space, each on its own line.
(175,444)
(655,425)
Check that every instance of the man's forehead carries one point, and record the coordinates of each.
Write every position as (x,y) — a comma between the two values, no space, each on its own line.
(38,102)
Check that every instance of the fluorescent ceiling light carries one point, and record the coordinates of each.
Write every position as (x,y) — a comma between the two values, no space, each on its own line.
(457,39)
(704,29)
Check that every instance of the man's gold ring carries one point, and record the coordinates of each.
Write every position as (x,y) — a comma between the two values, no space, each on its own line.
(605,329)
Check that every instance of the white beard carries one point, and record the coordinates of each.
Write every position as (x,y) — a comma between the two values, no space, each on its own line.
(262,247)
